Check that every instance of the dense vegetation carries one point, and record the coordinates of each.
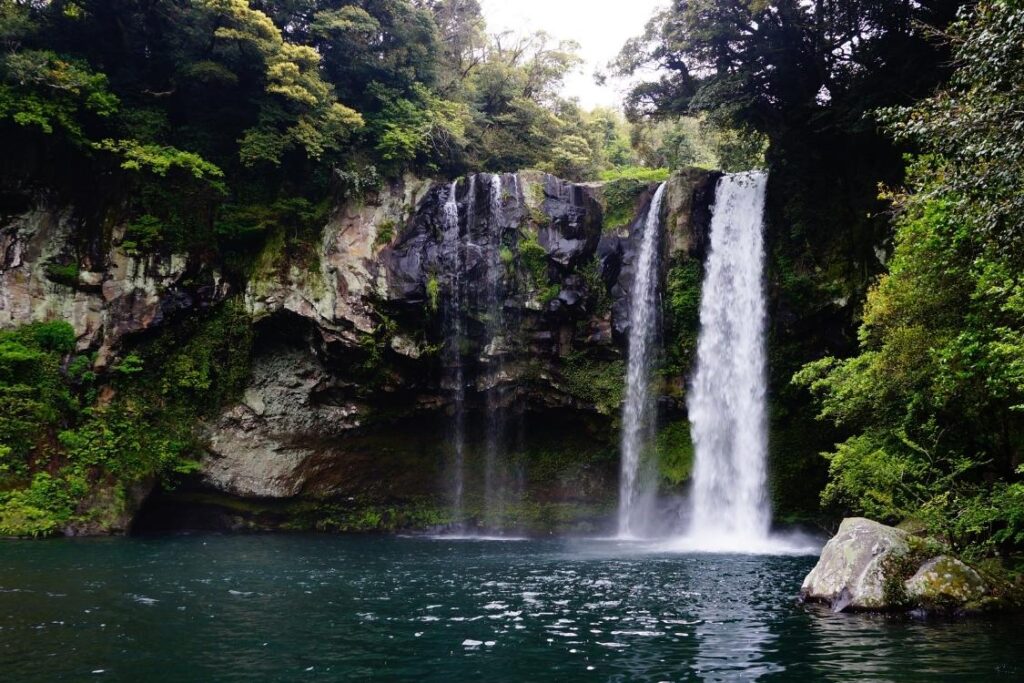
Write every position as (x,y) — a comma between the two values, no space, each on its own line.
(69,439)
(254,111)
(934,398)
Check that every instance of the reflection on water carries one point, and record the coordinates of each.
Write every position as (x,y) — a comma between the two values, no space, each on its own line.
(326,608)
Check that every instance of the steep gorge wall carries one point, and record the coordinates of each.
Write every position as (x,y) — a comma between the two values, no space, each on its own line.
(342,422)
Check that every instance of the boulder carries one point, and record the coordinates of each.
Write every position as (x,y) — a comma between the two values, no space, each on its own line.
(852,570)
(945,582)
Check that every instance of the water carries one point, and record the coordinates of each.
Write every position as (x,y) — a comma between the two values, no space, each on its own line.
(454,332)
(637,418)
(727,400)
(329,608)
(494,451)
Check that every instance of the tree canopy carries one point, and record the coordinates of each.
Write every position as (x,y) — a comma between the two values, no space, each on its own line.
(240,104)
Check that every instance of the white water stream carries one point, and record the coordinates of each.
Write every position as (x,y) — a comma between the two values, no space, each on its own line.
(453,324)
(637,412)
(726,402)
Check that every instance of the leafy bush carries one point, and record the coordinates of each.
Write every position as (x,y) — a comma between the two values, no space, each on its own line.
(63,273)
(54,453)
(598,382)
(534,258)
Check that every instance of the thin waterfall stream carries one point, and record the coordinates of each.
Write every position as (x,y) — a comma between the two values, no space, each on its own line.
(494,451)
(453,323)
(637,414)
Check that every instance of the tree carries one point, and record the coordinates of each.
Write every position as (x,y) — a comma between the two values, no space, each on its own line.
(305,113)
(804,74)
(934,398)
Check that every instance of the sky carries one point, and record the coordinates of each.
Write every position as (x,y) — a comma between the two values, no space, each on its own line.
(599,26)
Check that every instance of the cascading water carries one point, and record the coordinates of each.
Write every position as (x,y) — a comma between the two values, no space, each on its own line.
(637,414)
(727,399)
(454,332)
(494,494)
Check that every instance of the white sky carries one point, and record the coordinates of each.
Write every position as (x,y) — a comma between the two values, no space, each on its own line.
(601,27)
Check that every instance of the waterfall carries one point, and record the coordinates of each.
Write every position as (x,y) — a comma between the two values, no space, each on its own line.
(637,413)
(454,332)
(727,399)
(494,493)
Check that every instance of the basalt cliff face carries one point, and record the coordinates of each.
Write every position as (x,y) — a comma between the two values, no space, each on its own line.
(345,418)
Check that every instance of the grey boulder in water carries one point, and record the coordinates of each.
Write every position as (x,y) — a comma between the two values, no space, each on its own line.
(874,567)
(851,573)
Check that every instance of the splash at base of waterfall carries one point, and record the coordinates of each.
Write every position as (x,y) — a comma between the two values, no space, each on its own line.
(795,543)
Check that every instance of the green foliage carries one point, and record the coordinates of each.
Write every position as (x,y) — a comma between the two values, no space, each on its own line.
(33,394)
(423,126)
(433,293)
(385,233)
(295,220)
(641,174)
(62,273)
(571,157)
(534,258)
(597,291)
(507,256)
(204,365)
(58,446)
(143,234)
(675,453)
(974,124)
(316,122)
(932,396)
(676,142)
(118,441)
(160,159)
(595,381)
(682,320)
(39,509)
(43,89)
(620,198)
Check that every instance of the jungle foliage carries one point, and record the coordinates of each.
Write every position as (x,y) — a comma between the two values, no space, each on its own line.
(934,398)
(201,117)
(73,444)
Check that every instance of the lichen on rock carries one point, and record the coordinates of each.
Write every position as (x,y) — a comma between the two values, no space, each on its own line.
(873,567)
(945,582)
(851,573)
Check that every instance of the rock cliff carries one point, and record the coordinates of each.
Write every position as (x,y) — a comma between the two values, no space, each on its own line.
(350,393)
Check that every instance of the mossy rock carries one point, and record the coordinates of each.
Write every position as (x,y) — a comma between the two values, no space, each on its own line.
(854,566)
(945,582)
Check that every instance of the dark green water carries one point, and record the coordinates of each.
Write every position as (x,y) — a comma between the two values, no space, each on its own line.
(323,608)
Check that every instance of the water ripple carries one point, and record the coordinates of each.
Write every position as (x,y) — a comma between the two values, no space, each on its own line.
(327,608)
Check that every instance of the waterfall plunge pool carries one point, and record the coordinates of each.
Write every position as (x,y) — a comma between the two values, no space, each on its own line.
(328,608)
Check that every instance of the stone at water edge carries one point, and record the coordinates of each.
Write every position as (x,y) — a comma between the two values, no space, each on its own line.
(851,571)
(945,581)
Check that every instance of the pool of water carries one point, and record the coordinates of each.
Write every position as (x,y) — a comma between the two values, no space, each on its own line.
(328,608)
